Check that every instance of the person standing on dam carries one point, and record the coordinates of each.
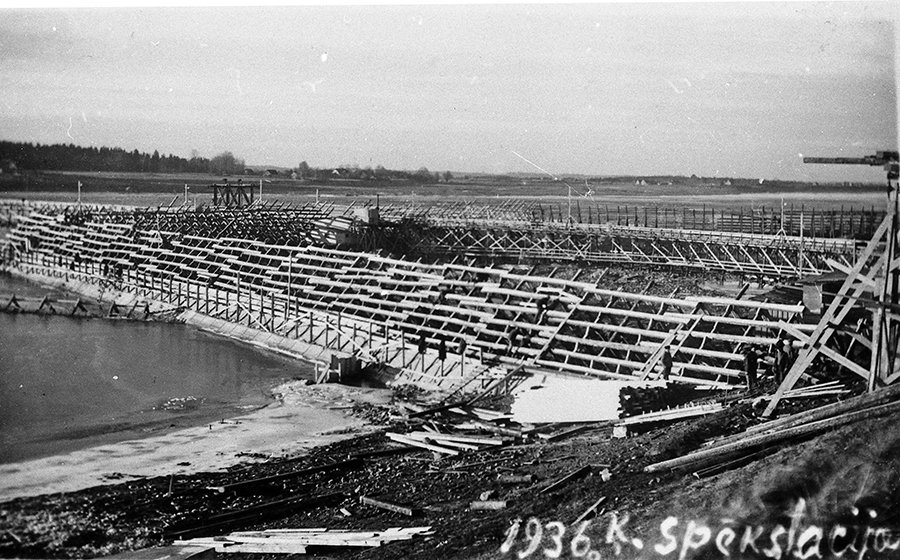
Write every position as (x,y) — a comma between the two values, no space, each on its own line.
(667,364)
(751,360)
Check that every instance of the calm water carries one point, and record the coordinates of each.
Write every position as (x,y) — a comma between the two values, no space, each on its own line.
(67,384)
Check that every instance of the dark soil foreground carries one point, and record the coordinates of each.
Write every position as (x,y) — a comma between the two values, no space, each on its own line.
(848,478)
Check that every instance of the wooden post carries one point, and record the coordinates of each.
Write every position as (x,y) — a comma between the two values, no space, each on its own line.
(290,283)
(237,296)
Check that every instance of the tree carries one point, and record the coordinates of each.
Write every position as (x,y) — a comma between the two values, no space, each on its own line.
(422,175)
(154,162)
(226,164)
(448,176)
(303,169)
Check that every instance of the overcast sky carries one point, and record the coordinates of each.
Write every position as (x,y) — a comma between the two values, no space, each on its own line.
(713,89)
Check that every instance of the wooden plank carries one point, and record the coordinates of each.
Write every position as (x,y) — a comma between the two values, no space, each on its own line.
(180,550)
(593,507)
(261,548)
(399,438)
(458,438)
(577,473)
(253,514)
(484,505)
(440,408)
(403,510)
(673,414)
(778,307)
(515,478)
(444,443)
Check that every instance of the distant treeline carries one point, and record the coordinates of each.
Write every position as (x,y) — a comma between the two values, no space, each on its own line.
(69,157)
(19,156)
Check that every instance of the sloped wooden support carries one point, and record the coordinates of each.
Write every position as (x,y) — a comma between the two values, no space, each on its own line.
(843,302)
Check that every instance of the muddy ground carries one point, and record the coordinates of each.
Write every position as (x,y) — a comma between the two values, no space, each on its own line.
(855,466)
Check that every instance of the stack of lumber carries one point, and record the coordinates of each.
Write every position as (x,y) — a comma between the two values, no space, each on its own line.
(804,424)
(445,444)
(295,541)
(672,414)
(634,400)
(828,389)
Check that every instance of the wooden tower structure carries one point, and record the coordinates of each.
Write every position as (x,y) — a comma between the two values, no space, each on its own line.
(232,195)
(873,283)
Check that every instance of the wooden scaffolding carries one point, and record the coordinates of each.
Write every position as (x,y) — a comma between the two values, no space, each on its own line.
(872,283)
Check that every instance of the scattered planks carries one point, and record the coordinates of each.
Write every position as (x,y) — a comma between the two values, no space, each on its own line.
(446,444)
(830,388)
(400,438)
(296,541)
(804,424)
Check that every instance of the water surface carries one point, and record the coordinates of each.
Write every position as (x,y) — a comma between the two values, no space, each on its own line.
(70,383)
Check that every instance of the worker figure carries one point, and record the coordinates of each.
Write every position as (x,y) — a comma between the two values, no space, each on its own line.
(442,353)
(541,309)
(667,364)
(751,360)
(514,340)
(440,298)
(442,350)
(423,343)
(423,346)
(788,355)
(781,360)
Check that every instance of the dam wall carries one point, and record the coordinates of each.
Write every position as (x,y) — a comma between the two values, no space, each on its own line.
(449,326)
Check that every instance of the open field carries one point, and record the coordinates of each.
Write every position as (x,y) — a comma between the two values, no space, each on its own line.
(144,189)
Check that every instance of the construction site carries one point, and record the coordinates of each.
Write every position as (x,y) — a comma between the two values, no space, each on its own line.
(750,355)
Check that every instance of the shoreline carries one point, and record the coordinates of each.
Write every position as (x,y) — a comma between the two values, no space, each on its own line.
(299,420)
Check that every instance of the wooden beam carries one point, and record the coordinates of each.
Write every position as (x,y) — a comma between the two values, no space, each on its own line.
(381,504)
(726,450)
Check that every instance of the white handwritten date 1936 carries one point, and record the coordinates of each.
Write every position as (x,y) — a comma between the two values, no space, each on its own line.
(536,532)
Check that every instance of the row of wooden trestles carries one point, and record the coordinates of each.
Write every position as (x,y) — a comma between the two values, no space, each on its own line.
(844,222)
(847,222)
(79,308)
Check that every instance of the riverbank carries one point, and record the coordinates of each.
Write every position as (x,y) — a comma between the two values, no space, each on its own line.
(229,421)
(302,417)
